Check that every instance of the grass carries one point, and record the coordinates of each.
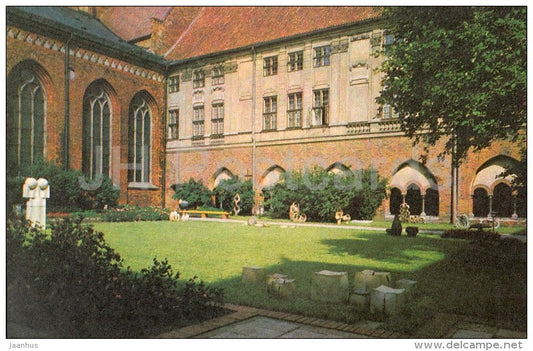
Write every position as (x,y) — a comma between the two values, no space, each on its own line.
(454,276)
(518,229)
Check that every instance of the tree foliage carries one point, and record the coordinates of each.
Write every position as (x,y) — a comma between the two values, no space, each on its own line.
(321,193)
(457,71)
(194,192)
(227,189)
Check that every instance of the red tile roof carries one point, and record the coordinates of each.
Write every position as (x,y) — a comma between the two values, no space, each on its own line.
(216,29)
(131,23)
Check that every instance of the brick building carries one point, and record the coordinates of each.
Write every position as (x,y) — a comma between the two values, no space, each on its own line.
(155,96)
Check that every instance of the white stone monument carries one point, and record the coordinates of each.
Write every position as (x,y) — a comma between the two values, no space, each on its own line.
(37,191)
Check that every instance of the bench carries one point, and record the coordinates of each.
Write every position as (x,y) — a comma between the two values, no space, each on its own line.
(205,214)
(480,226)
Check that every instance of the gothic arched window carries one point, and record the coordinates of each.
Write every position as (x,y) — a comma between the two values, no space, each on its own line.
(96,149)
(26,109)
(139,147)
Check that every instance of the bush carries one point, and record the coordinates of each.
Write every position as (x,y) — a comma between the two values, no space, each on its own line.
(194,192)
(67,194)
(468,234)
(73,284)
(321,194)
(227,189)
(128,213)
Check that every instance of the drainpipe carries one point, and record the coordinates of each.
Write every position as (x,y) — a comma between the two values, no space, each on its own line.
(164,149)
(66,130)
(254,54)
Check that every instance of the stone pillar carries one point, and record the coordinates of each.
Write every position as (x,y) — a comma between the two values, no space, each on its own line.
(423,213)
(490,206)
(515,199)
(471,214)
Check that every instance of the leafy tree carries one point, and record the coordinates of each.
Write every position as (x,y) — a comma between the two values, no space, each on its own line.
(320,194)
(458,73)
(226,190)
(194,192)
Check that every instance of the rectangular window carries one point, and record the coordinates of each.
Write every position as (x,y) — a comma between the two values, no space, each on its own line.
(322,56)
(320,107)
(173,118)
(217,119)
(296,61)
(174,84)
(294,110)
(270,66)
(388,40)
(198,122)
(269,112)
(198,80)
(388,112)
(217,76)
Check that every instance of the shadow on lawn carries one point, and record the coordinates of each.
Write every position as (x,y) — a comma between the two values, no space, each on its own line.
(391,249)
(486,279)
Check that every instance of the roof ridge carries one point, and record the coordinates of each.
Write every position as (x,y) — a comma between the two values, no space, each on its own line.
(185,31)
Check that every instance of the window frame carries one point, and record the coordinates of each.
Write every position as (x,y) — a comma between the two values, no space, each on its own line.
(270,112)
(138,105)
(270,66)
(174,84)
(18,137)
(173,124)
(217,119)
(96,95)
(217,75)
(294,110)
(198,80)
(198,122)
(295,61)
(322,56)
(321,107)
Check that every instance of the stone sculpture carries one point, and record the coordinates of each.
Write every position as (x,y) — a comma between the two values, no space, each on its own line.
(295,215)
(37,191)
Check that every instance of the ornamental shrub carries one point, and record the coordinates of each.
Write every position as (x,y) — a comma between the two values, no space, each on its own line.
(194,192)
(72,284)
(129,213)
(227,189)
(321,193)
(69,191)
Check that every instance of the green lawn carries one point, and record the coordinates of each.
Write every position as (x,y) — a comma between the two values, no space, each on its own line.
(453,275)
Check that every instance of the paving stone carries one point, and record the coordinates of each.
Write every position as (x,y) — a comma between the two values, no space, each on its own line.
(510,334)
(369,324)
(471,334)
(438,327)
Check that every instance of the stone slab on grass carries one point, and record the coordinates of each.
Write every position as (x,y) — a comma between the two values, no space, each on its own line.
(253,274)
(328,286)
(385,299)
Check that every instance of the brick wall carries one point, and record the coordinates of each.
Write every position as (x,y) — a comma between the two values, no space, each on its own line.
(124,81)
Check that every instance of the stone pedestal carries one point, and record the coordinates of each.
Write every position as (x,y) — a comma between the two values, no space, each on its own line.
(327,286)
(270,279)
(282,288)
(368,279)
(384,299)
(253,274)
(360,299)
(405,284)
